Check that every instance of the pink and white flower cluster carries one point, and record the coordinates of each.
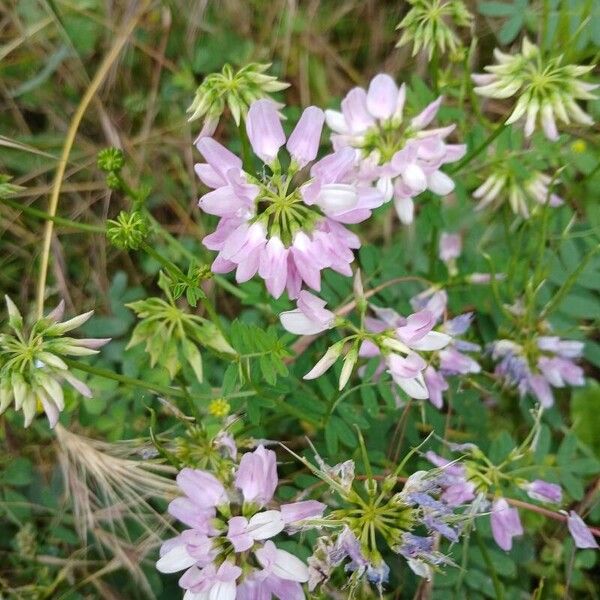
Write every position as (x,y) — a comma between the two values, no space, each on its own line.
(551,364)
(401,155)
(453,358)
(227,553)
(448,352)
(284,224)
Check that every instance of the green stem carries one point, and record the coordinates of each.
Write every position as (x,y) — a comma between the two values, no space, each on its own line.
(490,565)
(435,70)
(568,284)
(245,143)
(176,244)
(40,214)
(477,151)
(171,267)
(131,381)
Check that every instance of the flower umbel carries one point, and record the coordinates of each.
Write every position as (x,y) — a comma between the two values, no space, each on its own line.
(376,517)
(172,335)
(228,548)
(32,369)
(286,224)
(538,364)
(400,154)
(547,90)
(430,25)
(235,90)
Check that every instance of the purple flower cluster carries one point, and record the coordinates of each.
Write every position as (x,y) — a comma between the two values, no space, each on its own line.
(227,553)
(459,489)
(546,362)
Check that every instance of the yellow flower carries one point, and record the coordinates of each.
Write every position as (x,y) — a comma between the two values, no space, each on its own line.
(219,407)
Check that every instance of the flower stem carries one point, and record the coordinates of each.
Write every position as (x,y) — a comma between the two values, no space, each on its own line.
(490,566)
(131,381)
(477,151)
(120,40)
(44,216)
(245,143)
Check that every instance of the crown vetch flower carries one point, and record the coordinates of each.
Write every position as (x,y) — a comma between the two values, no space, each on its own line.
(32,369)
(376,517)
(401,346)
(544,491)
(309,318)
(506,523)
(547,90)
(284,224)
(401,155)
(580,532)
(539,365)
(227,553)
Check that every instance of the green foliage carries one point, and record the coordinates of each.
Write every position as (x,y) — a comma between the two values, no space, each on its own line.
(195,352)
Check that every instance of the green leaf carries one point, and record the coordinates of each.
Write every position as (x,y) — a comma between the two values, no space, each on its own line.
(585,415)
(19,472)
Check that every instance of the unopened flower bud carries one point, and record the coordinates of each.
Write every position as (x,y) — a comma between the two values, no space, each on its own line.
(128,230)
(349,362)
(111,160)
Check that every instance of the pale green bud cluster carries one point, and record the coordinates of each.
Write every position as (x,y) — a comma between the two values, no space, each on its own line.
(235,90)
(430,26)
(546,89)
(32,362)
(128,230)
(172,336)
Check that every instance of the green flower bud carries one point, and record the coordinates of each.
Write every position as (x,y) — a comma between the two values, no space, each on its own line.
(430,25)
(111,160)
(128,230)
(234,90)
(113,181)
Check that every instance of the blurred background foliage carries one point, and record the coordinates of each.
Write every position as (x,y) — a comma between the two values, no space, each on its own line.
(49,52)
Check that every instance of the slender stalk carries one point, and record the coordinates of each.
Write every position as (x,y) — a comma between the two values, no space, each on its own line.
(131,381)
(568,284)
(40,214)
(490,567)
(477,151)
(101,73)
(245,143)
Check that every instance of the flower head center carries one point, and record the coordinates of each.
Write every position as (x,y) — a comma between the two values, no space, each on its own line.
(280,207)
(384,140)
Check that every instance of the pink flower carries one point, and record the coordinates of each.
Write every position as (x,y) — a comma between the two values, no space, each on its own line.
(553,366)
(544,491)
(211,583)
(286,225)
(256,476)
(505,524)
(580,532)
(436,386)
(298,511)
(242,532)
(407,372)
(282,564)
(309,318)
(450,246)
(367,121)
(264,129)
